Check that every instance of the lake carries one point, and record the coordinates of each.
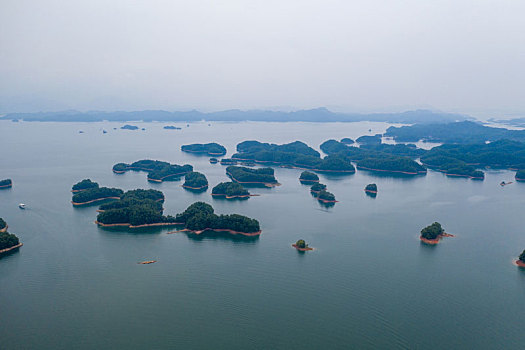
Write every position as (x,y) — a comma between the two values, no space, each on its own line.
(368,284)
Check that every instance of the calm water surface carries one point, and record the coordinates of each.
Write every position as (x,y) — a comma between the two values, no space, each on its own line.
(369,283)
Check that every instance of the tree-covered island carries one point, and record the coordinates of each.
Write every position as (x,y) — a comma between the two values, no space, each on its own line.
(7,183)
(520,175)
(158,171)
(230,190)
(200,217)
(214,160)
(253,177)
(317,187)
(308,177)
(195,181)
(371,188)
(212,149)
(369,140)
(295,154)
(521,260)
(326,197)
(432,234)
(129,127)
(94,195)
(84,185)
(8,241)
(301,246)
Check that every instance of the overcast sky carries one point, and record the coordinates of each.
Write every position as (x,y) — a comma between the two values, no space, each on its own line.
(369,55)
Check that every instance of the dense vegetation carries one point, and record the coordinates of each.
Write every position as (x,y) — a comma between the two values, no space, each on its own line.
(333,146)
(371,188)
(136,207)
(301,244)
(390,163)
(433,231)
(157,170)
(6,183)
(347,141)
(520,175)
(230,190)
(8,240)
(84,185)
(3,224)
(96,193)
(195,181)
(369,140)
(228,161)
(212,149)
(200,216)
(459,132)
(296,147)
(249,175)
(497,154)
(325,196)
(317,187)
(307,176)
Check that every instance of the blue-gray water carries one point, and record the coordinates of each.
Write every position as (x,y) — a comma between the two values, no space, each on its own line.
(369,283)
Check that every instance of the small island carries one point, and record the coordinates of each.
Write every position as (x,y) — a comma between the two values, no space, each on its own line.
(371,188)
(200,217)
(94,195)
(432,234)
(7,183)
(301,246)
(317,187)
(211,149)
(326,197)
(230,190)
(129,127)
(520,175)
(171,127)
(8,241)
(369,140)
(135,209)
(195,181)
(253,177)
(228,161)
(158,171)
(347,141)
(521,260)
(214,160)
(308,177)
(83,185)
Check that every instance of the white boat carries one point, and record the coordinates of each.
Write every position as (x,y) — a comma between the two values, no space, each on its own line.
(22,206)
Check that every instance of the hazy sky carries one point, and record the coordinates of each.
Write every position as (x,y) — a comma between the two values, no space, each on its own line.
(369,55)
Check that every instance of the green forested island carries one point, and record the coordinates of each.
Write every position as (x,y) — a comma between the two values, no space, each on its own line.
(392,164)
(93,195)
(158,171)
(301,245)
(521,259)
(326,197)
(84,185)
(8,242)
(171,127)
(295,154)
(228,161)
(308,177)
(135,208)
(459,132)
(129,127)
(369,140)
(520,175)
(317,187)
(200,217)
(195,181)
(333,146)
(7,183)
(214,160)
(3,225)
(371,188)
(432,233)
(230,190)
(249,176)
(212,149)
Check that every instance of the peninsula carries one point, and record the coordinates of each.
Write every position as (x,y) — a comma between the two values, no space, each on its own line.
(95,195)
(8,241)
(83,185)
(3,225)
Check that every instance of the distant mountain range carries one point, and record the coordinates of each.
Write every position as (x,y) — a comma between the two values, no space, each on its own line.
(310,115)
